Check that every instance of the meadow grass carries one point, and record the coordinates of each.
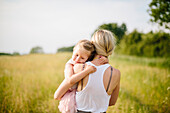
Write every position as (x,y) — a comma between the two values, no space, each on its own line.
(28,82)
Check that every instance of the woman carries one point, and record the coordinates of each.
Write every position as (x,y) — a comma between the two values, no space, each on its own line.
(91,96)
(100,89)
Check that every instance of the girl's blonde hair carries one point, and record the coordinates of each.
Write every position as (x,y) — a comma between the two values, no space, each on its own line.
(87,45)
(104,42)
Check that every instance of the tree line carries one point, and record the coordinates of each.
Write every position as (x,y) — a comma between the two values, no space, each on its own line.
(34,50)
(143,44)
(136,43)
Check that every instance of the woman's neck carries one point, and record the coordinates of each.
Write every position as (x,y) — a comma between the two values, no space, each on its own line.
(97,57)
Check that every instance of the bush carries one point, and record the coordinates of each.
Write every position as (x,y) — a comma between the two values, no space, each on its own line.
(36,49)
(150,44)
(65,49)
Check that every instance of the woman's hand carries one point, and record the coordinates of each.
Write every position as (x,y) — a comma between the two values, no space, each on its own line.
(100,61)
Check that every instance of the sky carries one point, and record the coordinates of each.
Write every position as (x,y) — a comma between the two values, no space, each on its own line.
(52,24)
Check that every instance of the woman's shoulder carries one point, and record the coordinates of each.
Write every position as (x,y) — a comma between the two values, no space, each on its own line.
(116,74)
(115,78)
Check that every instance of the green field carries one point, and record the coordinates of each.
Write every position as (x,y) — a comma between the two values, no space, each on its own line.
(28,82)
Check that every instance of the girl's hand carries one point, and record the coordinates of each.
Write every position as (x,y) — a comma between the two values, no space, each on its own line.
(100,61)
(90,68)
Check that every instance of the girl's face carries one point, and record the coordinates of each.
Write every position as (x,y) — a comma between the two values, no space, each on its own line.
(80,55)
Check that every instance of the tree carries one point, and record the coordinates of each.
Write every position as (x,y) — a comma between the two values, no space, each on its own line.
(65,49)
(119,31)
(15,53)
(36,49)
(134,37)
(160,12)
(130,44)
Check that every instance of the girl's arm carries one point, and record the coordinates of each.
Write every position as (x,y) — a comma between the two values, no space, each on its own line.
(72,78)
(62,89)
(68,71)
(102,60)
(81,74)
(70,81)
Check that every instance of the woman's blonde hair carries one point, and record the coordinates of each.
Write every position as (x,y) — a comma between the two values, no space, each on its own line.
(87,45)
(104,42)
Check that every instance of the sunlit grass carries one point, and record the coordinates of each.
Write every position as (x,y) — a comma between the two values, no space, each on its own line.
(27,83)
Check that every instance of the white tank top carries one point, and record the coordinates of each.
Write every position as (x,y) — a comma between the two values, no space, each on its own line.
(94,97)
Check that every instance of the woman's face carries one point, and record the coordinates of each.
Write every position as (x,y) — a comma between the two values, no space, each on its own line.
(80,55)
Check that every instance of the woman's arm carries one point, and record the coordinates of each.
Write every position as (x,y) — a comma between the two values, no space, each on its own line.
(70,81)
(115,92)
(114,95)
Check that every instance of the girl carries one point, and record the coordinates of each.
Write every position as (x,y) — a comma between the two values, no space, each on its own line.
(83,51)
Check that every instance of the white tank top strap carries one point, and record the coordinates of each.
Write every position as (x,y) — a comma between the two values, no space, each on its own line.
(103,66)
(89,63)
(101,80)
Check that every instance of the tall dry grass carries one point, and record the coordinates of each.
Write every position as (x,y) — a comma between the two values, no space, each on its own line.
(27,83)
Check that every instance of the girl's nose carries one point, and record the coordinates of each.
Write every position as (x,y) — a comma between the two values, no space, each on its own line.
(77,59)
